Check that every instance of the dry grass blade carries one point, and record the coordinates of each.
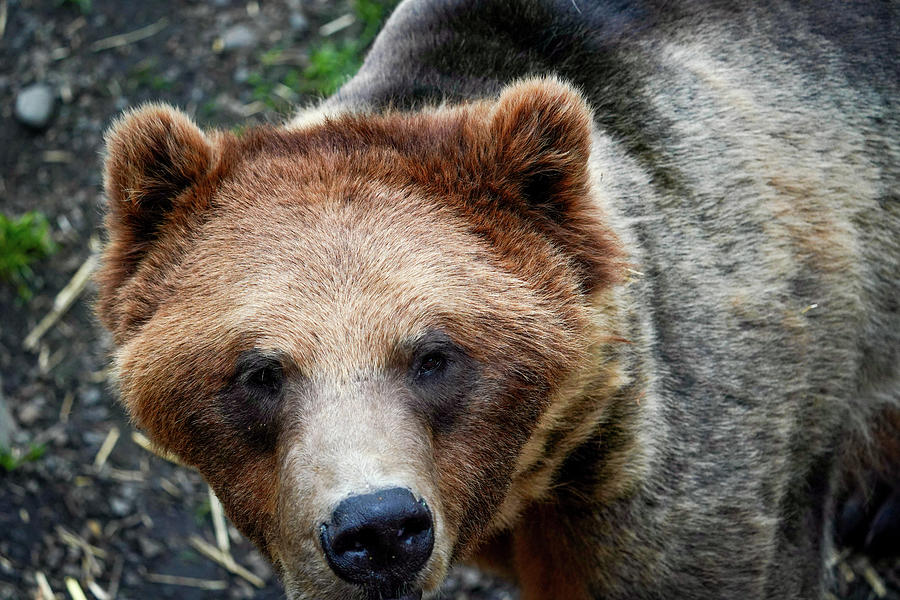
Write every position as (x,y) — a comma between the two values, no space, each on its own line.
(226,561)
(203,584)
(106,448)
(115,578)
(63,301)
(144,442)
(98,592)
(58,156)
(836,558)
(76,541)
(338,24)
(44,586)
(219,525)
(873,579)
(3,13)
(123,475)
(74,589)
(66,409)
(123,39)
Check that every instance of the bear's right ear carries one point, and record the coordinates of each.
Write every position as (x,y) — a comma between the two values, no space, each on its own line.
(153,154)
(156,159)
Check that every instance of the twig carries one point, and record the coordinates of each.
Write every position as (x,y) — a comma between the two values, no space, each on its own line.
(115,578)
(333,27)
(66,409)
(203,584)
(106,448)
(170,487)
(837,558)
(44,586)
(248,110)
(2,17)
(74,589)
(123,39)
(218,519)
(873,580)
(847,572)
(63,301)
(123,475)
(70,539)
(98,592)
(58,156)
(144,442)
(214,554)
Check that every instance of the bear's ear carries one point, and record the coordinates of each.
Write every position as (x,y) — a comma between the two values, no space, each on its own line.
(539,143)
(153,154)
(156,161)
(541,133)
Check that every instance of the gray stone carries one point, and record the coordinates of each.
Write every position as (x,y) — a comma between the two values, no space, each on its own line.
(150,548)
(90,395)
(298,22)
(29,413)
(119,506)
(35,104)
(241,75)
(238,36)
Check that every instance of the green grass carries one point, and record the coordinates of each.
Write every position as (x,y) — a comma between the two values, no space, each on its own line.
(10,461)
(330,65)
(146,74)
(202,512)
(23,242)
(331,62)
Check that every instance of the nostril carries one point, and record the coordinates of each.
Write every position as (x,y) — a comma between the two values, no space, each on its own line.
(354,540)
(381,539)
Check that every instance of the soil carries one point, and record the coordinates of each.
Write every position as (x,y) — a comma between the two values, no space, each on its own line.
(122,525)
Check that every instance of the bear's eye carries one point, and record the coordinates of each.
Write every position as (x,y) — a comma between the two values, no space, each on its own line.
(263,377)
(431,365)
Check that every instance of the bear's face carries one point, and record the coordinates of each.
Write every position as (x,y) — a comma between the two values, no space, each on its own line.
(354,329)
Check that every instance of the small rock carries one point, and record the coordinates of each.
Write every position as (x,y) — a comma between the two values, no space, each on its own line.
(150,548)
(29,413)
(119,506)
(238,36)
(298,22)
(241,75)
(90,396)
(35,104)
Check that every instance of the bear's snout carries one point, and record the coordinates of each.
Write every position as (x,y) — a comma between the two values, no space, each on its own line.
(379,540)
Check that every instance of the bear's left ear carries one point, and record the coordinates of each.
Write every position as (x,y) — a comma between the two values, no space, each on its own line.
(539,145)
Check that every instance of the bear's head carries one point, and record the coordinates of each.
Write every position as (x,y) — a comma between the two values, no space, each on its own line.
(359,331)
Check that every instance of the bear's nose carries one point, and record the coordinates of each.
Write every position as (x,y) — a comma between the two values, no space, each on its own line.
(380,540)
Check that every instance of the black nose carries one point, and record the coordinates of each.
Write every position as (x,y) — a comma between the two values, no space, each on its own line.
(379,540)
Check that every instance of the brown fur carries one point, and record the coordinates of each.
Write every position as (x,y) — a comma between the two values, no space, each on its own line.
(666,324)
(177,343)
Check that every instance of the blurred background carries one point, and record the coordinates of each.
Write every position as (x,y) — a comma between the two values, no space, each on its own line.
(88,509)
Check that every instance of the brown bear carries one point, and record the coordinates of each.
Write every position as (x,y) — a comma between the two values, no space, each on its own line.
(601,295)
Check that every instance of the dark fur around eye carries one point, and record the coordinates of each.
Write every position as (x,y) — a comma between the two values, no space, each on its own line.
(441,376)
(251,400)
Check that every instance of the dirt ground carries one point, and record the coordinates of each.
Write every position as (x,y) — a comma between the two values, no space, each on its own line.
(98,510)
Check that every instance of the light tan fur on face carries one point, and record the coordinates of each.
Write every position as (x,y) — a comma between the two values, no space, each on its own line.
(336,279)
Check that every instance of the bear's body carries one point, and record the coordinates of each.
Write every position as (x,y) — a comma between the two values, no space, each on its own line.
(621,342)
